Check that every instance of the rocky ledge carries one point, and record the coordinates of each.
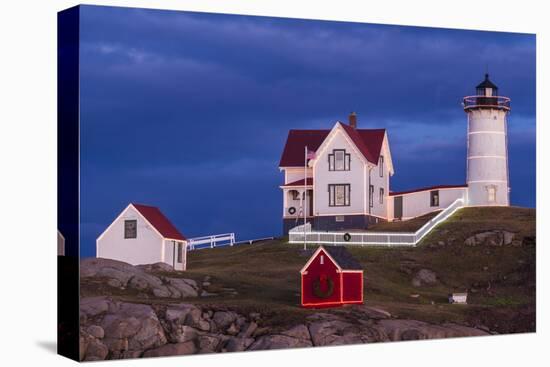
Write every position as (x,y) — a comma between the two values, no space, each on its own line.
(112,329)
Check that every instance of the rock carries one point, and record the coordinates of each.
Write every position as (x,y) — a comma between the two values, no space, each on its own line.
(172,350)
(96,331)
(232,330)
(132,327)
(206,284)
(238,344)
(374,312)
(181,321)
(334,332)
(299,332)
(491,238)
(162,292)
(96,351)
(184,286)
(94,306)
(415,330)
(424,277)
(208,294)
(157,267)
(278,342)
(441,243)
(248,330)
(115,283)
(223,319)
(208,343)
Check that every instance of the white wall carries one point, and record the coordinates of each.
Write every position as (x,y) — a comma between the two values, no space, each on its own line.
(323,177)
(380,209)
(487,156)
(418,203)
(145,249)
(169,254)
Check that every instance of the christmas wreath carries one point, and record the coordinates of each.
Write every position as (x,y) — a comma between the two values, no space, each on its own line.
(317,286)
(347,237)
(291,210)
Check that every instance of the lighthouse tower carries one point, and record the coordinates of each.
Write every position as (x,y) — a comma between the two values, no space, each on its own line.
(487,160)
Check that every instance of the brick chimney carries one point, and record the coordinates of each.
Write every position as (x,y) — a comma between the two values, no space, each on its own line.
(353,120)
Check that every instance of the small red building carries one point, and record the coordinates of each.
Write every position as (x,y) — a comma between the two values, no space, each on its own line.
(331,277)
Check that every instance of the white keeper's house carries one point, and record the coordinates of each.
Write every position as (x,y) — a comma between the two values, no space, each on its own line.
(142,234)
(339,178)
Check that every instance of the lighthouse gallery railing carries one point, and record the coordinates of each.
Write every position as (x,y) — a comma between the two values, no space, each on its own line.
(296,234)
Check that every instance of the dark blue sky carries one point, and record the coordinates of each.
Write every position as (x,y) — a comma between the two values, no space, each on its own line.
(189,111)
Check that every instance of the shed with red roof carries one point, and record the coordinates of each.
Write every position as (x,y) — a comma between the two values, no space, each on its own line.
(142,234)
(331,277)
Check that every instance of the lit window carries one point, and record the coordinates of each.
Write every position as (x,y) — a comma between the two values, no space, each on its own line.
(491,194)
(434,198)
(340,218)
(339,194)
(371,195)
(339,160)
(381,198)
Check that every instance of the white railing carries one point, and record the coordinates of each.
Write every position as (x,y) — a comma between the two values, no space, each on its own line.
(197,243)
(296,234)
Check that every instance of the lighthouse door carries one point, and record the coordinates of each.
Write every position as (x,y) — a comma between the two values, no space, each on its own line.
(398,207)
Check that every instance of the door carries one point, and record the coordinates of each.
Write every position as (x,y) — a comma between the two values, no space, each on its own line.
(398,207)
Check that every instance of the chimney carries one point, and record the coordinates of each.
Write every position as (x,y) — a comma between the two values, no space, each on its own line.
(353,120)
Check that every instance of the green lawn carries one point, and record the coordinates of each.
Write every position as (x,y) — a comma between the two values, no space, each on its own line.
(500,280)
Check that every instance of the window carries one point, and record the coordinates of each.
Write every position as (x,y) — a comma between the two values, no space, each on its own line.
(130,228)
(339,160)
(322,260)
(371,194)
(491,193)
(381,196)
(180,252)
(434,198)
(340,218)
(339,194)
(381,165)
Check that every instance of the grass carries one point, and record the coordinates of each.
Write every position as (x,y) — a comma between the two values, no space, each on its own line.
(500,280)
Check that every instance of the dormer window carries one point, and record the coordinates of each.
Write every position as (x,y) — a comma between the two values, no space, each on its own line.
(339,160)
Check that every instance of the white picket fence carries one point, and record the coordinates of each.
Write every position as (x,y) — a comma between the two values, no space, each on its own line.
(296,234)
(198,243)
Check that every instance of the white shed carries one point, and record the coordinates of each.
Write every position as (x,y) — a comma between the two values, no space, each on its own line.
(460,298)
(141,234)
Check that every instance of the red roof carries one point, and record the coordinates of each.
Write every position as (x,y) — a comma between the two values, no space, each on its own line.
(159,221)
(428,188)
(368,141)
(301,182)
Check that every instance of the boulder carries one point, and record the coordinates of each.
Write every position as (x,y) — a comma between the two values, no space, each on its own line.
(374,312)
(223,319)
(278,342)
(186,287)
(96,351)
(172,350)
(299,332)
(132,327)
(248,330)
(424,277)
(334,332)
(94,306)
(491,238)
(208,343)
(237,344)
(157,267)
(415,330)
(96,331)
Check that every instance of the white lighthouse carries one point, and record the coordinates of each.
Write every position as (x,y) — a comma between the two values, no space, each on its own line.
(487,159)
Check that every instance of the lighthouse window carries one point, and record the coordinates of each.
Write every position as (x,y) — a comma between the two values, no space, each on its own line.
(434,198)
(339,160)
(491,194)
